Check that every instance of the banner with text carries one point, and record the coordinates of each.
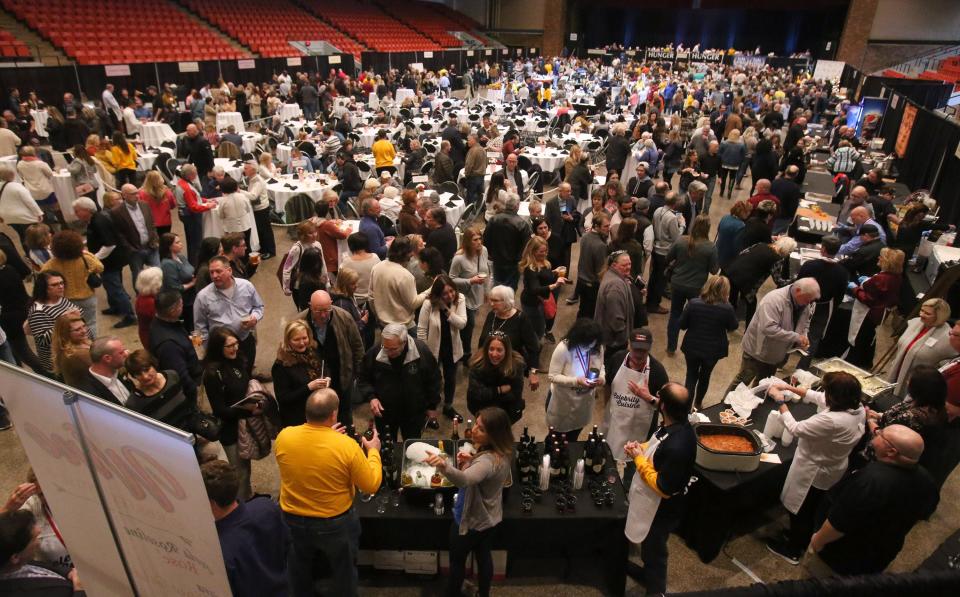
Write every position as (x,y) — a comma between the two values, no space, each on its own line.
(673,55)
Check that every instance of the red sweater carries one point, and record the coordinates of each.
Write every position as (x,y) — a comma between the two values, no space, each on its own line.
(160,209)
(880,292)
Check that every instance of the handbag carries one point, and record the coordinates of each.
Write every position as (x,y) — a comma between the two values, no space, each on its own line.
(205,425)
(83,189)
(93,279)
(549,307)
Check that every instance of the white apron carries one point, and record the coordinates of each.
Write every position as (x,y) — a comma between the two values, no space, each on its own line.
(644,501)
(628,417)
(860,311)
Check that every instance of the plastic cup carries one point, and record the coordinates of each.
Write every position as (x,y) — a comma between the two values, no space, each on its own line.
(254,258)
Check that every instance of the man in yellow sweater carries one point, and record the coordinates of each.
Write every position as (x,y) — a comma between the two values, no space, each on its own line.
(383,153)
(319,468)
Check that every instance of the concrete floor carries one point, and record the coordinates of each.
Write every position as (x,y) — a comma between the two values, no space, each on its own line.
(686,572)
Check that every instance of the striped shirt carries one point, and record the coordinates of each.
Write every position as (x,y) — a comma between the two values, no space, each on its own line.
(42,318)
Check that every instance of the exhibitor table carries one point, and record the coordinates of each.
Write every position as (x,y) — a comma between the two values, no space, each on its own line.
(544,532)
(718,500)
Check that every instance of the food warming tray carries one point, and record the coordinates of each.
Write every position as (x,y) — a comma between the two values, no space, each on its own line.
(743,462)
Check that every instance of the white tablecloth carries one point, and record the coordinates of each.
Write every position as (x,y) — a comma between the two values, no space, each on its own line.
(358,119)
(548,158)
(367,135)
(281,193)
(453,206)
(289,112)
(213,226)
(403,93)
(155,133)
(250,141)
(295,125)
(63,187)
(342,249)
(436,125)
(40,118)
(233,171)
(283,152)
(397,163)
(148,158)
(225,119)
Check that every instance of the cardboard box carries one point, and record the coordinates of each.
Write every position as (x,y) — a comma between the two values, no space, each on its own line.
(384,559)
(420,562)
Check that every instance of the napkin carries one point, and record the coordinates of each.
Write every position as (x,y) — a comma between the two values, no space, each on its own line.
(290,186)
(743,400)
(451,204)
(273,181)
(418,451)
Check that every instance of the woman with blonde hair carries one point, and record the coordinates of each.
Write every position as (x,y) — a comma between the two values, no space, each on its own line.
(707,320)
(148,285)
(539,281)
(159,197)
(574,158)
(70,348)
(926,341)
(297,372)
(733,154)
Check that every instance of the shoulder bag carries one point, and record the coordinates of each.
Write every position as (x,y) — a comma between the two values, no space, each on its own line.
(93,279)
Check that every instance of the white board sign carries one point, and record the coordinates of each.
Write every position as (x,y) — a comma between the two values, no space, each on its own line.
(417,66)
(333,59)
(830,70)
(469,52)
(117,70)
(573,37)
(428,54)
(488,52)
(294,61)
(189,67)
(246,64)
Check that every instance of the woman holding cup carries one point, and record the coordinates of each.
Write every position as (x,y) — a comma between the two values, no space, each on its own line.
(297,372)
(470,272)
(557,254)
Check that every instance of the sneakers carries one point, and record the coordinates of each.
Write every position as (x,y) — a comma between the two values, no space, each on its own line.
(126,322)
(780,547)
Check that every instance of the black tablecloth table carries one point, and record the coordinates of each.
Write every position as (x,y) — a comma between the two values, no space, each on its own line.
(718,499)
(818,181)
(544,532)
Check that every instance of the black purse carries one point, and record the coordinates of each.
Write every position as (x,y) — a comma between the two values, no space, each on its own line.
(93,279)
(205,425)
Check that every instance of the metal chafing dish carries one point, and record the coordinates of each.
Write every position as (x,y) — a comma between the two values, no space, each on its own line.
(872,385)
(714,460)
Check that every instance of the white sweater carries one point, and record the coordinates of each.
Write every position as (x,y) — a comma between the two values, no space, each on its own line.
(429,327)
(17,206)
(36,175)
(233,210)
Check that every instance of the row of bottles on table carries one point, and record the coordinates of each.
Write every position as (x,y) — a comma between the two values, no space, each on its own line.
(528,458)
(389,458)
(595,452)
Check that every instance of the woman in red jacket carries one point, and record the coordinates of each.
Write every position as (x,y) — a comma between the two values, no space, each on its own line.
(873,297)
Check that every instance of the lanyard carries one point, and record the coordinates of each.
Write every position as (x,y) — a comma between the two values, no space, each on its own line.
(53,525)
(583,359)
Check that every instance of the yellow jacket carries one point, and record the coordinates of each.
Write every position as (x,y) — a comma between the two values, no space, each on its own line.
(384,153)
(123,161)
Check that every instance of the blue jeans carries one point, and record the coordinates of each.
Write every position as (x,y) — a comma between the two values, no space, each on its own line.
(474,186)
(506,275)
(708,197)
(139,258)
(335,542)
(678,299)
(117,297)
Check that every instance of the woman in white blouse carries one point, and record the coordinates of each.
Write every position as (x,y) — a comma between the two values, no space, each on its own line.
(18,209)
(442,316)
(576,371)
(926,341)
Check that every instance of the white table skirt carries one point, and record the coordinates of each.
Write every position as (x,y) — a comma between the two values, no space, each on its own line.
(548,159)
(280,193)
(155,133)
(213,226)
(40,118)
(283,152)
(225,119)
(63,187)
(342,249)
(234,172)
(289,112)
(250,141)
(148,158)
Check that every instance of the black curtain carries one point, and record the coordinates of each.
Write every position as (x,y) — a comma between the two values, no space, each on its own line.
(930,161)
(891,121)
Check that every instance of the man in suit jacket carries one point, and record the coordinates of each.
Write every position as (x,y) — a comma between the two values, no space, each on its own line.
(194,148)
(136,231)
(564,219)
(107,355)
(443,165)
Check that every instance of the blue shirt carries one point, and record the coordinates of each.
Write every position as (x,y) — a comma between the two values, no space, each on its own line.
(213,307)
(850,247)
(727,232)
(255,543)
(378,243)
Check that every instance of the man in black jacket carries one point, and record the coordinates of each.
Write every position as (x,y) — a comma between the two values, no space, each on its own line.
(171,345)
(195,148)
(863,261)
(786,189)
(505,236)
(618,149)
(440,234)
(832,278)
(107,355)
(458,144)
(399,378)
(564,220)
(102,241)
(349,178)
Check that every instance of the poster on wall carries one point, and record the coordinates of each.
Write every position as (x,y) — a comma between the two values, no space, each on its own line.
(830,70)
(188,67)
(871,116)
(246,64)
(906,127)
(117,70)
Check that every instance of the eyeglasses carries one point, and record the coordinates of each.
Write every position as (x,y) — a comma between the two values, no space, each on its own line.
(880,434)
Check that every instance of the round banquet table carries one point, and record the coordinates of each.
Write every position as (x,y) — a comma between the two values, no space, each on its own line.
(283,152)
(213,226)
(288,186)
(63,187)
(225,119)
(367,135)
(342,249)
(548,158)
(359,119)
(289,112)
(148,157)
(233,168)
(250,141)
(155,133)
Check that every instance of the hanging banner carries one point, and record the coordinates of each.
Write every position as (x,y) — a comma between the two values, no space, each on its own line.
(189,67)
(829,70)
(871,116)
(672,54)
(246,64)
(333,59)
(295,61)
(117,70)
(906,127)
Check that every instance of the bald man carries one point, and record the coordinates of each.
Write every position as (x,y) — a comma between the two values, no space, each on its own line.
(762,193)
(136,232)
(859,217)
(338,345)
(868,514)
(195,148)
(858,196)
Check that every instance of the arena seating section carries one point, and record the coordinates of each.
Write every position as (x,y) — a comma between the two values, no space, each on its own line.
(129,31)
(265,27)
(121,31)
(11,47)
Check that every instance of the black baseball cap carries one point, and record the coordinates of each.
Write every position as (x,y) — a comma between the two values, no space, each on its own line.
(641,338)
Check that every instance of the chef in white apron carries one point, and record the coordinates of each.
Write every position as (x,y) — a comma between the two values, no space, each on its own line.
(632,409)
(825,441)
(664,470)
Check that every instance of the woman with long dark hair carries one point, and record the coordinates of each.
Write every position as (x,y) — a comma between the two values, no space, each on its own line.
(576,371)
(14,303)
(496,378)
(479,507)
(123,156)
(83,172)
(49,304)
(225,379)
(178,274)
(442,316)
(71,258)
(309,277)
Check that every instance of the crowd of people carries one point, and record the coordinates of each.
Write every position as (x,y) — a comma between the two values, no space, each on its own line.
(393,323)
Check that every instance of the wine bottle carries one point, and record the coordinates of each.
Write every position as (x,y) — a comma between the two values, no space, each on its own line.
(593,434)
(455,435)
(588,451)
(600,456)
(555,464)
(468,433)
(368,434)
(525,436)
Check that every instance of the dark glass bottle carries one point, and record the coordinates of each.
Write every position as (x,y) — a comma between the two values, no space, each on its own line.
(455,435)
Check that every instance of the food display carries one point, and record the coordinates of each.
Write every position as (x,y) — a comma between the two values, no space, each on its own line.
(727,448)
(727,443)
(416,473)
(872,385)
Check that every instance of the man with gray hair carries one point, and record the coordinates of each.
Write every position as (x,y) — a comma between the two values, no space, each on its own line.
(694,206)
(400,378)
(505,236)
(107,356)
(474,169)
(369,212)
(667,226)
(194,147)
(190,207)
(779,326)
(211,188)
(564,219)
(102,241)
(18,209)
(136,232)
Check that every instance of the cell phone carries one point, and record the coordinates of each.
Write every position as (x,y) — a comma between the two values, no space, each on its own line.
(593,374)
(563,208)
(640,283)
